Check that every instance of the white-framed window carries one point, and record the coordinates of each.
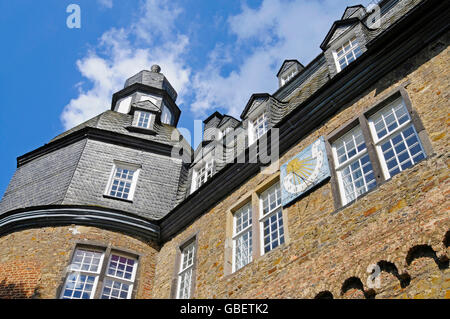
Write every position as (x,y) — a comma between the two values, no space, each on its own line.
(83,274)
(166,115)
(242,237)
(186,272)
(396,140)
(142,119)
(347,53)
(119,277)
(123,180)
(353,167)
(204,173)
(271,219)
(286,77)
(260,126)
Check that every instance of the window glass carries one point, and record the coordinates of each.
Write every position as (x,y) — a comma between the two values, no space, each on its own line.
(353,166)
(348,53)
(242,238)
(397,142)
(271,218)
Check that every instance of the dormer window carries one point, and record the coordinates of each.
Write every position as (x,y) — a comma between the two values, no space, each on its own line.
(260,126)
(347,53)
(204,173)
(123,180)
(285,78)
(142,119)
(166,115)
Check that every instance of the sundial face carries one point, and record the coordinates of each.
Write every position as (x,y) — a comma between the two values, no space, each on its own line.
(304,171)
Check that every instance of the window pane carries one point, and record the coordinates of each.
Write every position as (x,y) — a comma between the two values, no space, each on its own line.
(121,267)
(78,286)
(86,260)
(350,145)
(348,53)
(402,151)
(121,183)
(271,199)
(390,118)
(273,231)
(115,290)
(243,250)
(356,176)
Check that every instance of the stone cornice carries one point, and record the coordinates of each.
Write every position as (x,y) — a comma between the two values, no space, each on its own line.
(60,215)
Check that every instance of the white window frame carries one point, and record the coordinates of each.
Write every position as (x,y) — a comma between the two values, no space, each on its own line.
(378,142)
(238,234)
(122,165)
(78,272)
(341,46)
(288,75)
(253,136)
(185,269)
(130,282)
(204,164)
(166,115)
(263,217)
(137,119)
(339,167)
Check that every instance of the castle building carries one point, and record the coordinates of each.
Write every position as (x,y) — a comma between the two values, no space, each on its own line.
(334,186)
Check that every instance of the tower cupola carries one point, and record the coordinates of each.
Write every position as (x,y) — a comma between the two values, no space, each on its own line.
(150,86)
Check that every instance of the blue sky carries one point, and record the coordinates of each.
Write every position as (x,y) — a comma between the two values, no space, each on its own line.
(215,54)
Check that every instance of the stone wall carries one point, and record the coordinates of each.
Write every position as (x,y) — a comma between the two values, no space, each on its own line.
(401,225)
(33,262)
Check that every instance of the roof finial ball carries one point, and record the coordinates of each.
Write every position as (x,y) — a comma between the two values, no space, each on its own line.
(156,68)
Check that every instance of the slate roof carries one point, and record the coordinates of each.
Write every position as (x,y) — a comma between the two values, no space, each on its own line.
(118,122)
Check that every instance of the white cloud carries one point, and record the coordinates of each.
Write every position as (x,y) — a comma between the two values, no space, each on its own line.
(263,38)
(119,56)
(266,36)
(106,3)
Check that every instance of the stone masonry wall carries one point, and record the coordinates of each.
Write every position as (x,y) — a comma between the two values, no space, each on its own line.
(33,262)
(402,225)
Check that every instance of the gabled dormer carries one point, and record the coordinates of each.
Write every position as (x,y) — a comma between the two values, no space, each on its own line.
(149,86)
(210,127)
(145,114)
(357,11)
(346,41)
(256,116)
(289,69)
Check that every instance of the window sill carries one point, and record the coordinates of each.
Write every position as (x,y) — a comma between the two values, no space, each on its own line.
(117,198)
